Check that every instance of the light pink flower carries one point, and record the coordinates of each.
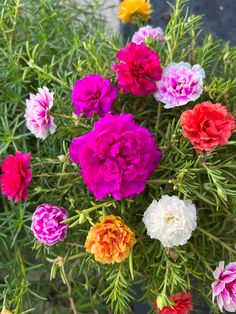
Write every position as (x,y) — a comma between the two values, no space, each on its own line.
(224,288)
(38,119)
(180,83)
(148,32)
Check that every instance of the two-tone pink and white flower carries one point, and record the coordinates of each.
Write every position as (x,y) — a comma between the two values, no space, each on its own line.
(148,32)
(180,84)
(37,114)
(47,224)
(224,288)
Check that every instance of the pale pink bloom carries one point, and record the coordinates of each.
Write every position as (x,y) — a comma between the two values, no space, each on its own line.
(224,288)
(38,119)
(180,83)
(148,32)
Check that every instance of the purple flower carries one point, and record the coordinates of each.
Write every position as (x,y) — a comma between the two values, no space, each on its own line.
(93,95)
(148,32)
(117,157)
(46,224)
(180,83)
(38,119)
(224,288)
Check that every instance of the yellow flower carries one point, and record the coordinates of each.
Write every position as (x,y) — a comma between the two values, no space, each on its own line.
(110,240)
(130,11)
(5,311)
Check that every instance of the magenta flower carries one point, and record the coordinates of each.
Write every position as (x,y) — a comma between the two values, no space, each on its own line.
(138,70)
(224,288)
(38,119)
(16,176)
(46,224)
(148,32)
(117,157)
(93,95)
(180,83)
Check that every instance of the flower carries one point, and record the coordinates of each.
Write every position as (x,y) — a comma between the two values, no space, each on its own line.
(132,11)
(207,125)
(148,32)
(170,220)
(47,226)
(93,94)
(138,69)
(110,240)
(38,119)
(180,83)
(5,311)
(117,157)
(182,304)
(16,176)
(224,288)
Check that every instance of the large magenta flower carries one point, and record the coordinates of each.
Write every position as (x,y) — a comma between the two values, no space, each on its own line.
(224,288)
(93,94)
(117,156)
(47,226)
(138,69)
(16,176)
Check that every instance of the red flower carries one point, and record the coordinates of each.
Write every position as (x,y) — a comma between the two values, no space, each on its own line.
(138,70)
(16,176)
(207,125)
(182,304)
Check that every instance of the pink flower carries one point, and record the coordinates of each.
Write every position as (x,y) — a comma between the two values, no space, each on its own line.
(16,176)
(180,83)
(93,95)
(38,119)
(138,69)
(117,157)
(148,32)
(46,225)
(224,288)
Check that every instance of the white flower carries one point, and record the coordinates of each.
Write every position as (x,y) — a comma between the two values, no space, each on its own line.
(170,220)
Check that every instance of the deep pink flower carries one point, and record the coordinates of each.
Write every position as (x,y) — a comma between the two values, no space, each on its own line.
(46,225)
(117,156)
(148,32)
(180,83)
(93,95)
(16,176)
(37,114)
(138,69)
(224,288)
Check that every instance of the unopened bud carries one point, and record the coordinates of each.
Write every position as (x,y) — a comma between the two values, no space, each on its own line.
(82,218)
(160,302)
(62,158)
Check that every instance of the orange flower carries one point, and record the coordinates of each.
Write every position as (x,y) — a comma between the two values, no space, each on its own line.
(5,311)
(134,10)
(110,240)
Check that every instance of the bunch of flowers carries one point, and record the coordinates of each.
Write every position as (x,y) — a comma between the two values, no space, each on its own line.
(142,183)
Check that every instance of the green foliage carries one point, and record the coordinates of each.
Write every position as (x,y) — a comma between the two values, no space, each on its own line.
(53,43)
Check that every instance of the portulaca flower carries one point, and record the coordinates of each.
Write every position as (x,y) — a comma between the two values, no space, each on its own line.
(180,84)
(38,119)
(148,32)
(170,220)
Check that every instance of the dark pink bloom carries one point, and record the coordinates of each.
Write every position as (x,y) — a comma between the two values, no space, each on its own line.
(138,70)
(16,176)
(117,156)
(46,225)
(207,125)
(224,288)
(93,95)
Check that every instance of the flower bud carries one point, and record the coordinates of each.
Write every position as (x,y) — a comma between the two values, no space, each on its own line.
(160,302)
